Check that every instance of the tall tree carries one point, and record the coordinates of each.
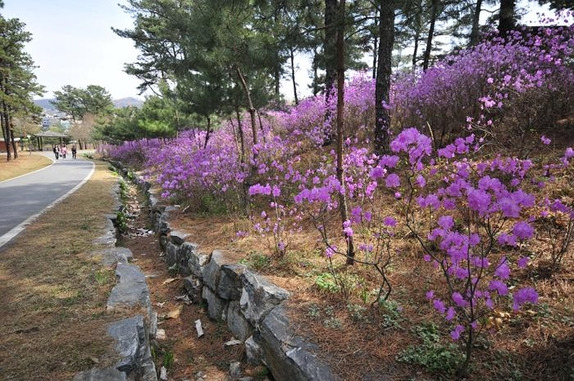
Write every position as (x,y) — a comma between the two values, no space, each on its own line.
(339,23)
(78,102)
(384,70)
(17,82)
(506,16)
(434,13)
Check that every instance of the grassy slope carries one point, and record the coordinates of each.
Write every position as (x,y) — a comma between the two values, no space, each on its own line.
(53,291)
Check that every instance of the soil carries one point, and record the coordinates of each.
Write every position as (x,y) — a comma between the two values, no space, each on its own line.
(181,352)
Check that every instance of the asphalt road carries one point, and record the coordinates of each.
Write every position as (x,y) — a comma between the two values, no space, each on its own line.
(24,198)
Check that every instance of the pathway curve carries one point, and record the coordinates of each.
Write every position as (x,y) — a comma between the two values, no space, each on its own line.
(24,198)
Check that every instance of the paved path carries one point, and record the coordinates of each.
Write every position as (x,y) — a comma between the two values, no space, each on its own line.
(24,198)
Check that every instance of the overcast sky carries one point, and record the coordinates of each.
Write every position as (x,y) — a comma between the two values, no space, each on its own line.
(73,44)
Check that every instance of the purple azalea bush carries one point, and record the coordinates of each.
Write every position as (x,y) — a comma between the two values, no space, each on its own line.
(471,214)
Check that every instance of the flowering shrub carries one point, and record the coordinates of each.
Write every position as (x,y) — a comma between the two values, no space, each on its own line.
(473,216)
(499,87)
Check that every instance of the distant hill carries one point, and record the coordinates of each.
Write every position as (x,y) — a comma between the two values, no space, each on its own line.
(129,101)
(45,104)
(120,103)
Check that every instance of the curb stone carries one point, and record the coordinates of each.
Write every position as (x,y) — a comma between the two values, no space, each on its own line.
(131,335)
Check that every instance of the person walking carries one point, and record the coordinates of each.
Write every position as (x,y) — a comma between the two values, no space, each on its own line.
(64,151)
(56,152)
(74,151)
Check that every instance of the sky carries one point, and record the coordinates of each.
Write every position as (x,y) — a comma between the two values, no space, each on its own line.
(73,44)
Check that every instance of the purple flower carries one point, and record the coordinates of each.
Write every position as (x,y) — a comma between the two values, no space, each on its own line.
(390,221)
(502,271)
(479,200)
(446,222)
(523,262)
(523,230)
(392,181)
(498,286)
(450,314)
(526,294)
(507,239)
(377,173)
(347,229)
(439,306)
(455,334)
(330,252)
(421,181)
(459,300)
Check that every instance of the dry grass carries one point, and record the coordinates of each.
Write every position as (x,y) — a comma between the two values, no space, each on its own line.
(53,292)
(362,342)
(23,164)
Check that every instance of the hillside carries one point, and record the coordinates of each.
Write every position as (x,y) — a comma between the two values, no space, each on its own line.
(120,103)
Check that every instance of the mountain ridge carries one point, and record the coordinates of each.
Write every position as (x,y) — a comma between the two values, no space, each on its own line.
(119,103)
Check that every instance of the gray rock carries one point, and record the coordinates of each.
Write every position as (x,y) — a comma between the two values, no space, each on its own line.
(131,289)
(196,261)
(192,286)
(236,323)
(216,308)
(112,256)
(235,370)
(132,346)
(259,296)
(287,355)
(254,352)
(178,237)
(109,237)
(212,271)
(230,284)
(127,335)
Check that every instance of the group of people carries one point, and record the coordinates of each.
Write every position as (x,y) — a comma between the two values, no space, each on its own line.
(62,151)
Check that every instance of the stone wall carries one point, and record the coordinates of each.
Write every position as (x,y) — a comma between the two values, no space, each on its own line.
(250,305)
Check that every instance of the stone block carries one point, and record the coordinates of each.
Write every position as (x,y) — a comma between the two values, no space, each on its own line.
(212,270)
(131,289)
(237,323)
(259,296)
(288,356)
(216,307)
(192,286)
(196,261)
(178,237)
(230,284)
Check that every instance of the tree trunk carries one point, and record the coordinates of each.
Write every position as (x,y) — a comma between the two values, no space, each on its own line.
(207,133)
(330,47)
(12,140)
(474,32)
(415,49)
(506,17)
(416,38)
(241,137)
(252,169)
(428,50)
(292,58)
(375,49)
(340,119)
(383,81)
(251,108)
(6,131)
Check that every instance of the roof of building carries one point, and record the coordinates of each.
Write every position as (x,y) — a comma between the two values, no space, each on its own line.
(51,134)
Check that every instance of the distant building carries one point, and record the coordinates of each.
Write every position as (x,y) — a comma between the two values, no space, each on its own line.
(3,145)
